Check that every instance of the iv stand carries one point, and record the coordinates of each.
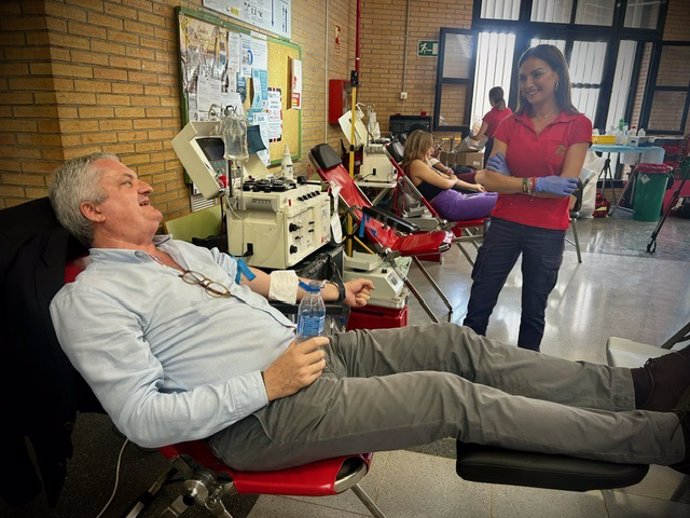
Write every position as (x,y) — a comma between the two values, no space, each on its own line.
(685,169)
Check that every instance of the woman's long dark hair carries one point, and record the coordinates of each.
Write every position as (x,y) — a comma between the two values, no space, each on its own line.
(555,59)
(496,97)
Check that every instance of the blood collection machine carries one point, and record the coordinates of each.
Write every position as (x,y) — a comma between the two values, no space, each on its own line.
(272,223)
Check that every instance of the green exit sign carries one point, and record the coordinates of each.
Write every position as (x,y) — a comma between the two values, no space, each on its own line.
(427,48)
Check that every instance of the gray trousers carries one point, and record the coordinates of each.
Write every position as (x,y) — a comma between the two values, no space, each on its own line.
(395,388)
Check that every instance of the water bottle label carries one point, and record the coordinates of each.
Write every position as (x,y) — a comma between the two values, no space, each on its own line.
(310,326)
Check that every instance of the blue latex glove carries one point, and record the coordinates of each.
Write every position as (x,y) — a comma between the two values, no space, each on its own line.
(498,163)
(558,185)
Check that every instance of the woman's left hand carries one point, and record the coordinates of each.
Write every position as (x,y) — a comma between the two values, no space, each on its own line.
(479,187)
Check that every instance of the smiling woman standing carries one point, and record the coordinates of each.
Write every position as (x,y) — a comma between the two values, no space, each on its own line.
(537,157)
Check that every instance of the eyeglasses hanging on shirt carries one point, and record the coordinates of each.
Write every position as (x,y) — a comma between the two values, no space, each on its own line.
(213,288)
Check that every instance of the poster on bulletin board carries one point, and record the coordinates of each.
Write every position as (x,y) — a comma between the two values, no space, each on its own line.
(269,15)
(225,65)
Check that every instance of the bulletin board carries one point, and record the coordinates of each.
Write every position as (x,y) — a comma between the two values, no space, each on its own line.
(204,52)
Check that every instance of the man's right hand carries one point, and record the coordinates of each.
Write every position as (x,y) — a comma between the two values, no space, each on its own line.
(299,366)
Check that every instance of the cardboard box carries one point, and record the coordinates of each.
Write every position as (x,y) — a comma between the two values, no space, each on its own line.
(471,158)
(447,158)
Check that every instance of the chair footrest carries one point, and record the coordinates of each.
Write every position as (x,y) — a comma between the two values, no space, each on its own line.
(501,466)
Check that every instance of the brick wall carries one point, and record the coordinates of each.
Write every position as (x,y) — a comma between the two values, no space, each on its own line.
(390,63)
(86,75)
(30,144)
(81,76)
(108,82)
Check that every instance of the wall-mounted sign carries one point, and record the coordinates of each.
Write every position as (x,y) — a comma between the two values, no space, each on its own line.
(427,48)
(274,16)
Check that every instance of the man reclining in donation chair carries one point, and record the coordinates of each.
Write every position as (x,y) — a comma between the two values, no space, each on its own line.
(179,343)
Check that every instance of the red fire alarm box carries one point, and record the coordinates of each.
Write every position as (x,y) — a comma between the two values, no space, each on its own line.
(338,99)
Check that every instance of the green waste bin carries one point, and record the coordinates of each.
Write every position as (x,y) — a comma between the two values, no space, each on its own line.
(649,190)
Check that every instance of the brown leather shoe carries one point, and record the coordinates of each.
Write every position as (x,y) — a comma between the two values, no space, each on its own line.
(670,380)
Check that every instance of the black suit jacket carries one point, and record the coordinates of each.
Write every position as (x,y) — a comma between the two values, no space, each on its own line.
(41,390)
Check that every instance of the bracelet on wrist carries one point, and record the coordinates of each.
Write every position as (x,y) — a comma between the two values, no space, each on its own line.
(525,184)
(340,287)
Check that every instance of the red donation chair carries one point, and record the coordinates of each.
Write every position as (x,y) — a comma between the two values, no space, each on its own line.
(464,231)
(390,236)
(208,479)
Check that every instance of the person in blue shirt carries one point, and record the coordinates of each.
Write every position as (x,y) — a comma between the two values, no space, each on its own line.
(179,343)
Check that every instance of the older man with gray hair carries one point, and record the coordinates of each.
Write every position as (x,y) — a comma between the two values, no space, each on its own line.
(180,343)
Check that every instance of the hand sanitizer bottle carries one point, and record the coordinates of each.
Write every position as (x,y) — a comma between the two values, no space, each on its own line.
(286,164)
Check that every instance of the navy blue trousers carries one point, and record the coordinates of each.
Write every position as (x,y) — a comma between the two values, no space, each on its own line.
(542,254)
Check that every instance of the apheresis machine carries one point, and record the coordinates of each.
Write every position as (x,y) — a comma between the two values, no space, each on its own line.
(271,222)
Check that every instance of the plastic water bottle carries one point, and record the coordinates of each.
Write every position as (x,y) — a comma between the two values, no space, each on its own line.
(311,315)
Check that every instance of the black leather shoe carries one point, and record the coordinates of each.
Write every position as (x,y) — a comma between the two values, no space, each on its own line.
(670,380)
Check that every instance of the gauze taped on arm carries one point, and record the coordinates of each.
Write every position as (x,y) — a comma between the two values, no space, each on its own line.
(283,286)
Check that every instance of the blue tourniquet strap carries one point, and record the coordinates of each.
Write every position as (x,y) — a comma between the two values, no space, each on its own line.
(243,269)
(362,225)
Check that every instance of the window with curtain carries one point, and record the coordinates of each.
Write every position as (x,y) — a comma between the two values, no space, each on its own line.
(603,41)
(622,80)
(493,68)
(642,14)
(500,9)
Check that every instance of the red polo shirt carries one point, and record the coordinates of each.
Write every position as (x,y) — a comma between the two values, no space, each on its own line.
(493,117)
(530,154)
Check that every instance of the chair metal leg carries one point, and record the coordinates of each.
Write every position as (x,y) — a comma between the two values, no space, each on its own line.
(176,508)
(682,335)
(419,298)
(573,225)
(368,502)
(469,236)
(465,253)
(433,283)
(147,497)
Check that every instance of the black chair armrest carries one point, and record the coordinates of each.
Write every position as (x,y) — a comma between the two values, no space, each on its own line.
(520,468)
(332,308)
(391,220)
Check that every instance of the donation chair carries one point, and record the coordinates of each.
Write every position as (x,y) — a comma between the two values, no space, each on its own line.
(574,212)
(500,466)
(464,231)
(574,215)
(207,479)
(622,352)
(391,236)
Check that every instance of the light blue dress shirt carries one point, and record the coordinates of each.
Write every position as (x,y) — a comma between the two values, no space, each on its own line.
(168,361)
